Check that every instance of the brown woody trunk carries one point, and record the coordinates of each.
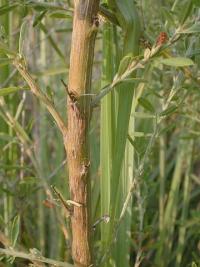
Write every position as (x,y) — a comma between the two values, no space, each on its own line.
(78,112)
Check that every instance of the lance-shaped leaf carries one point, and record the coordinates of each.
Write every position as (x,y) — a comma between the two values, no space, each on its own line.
(10,90)
(177,61)
(15,230)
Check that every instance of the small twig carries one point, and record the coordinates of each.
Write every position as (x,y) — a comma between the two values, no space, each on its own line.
(20,65)
(118,79)
(67,90)
(105,218)
(32,257)
(71,95)
(74,203)
(56,170)
(136,64)
(62,200)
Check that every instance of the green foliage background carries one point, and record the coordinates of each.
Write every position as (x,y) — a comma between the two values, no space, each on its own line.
(144,135)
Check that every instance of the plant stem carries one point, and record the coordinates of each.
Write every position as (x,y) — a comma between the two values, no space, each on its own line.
(20,65)
(32,257)
(76,144)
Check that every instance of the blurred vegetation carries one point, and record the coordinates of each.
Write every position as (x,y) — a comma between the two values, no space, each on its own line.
(145,184)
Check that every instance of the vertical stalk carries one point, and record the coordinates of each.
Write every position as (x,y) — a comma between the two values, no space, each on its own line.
(76,142)
(5,22)
(42,151)
(185,203)
(162,182)
(107,128)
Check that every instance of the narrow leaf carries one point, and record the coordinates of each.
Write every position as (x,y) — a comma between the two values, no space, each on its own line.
(168,16)
(186,10)
(9,90)
(146,104)
(193,29)
(177,61)
(15,230)
(134,80)
(168,111)
(124,63)
(39,18)
(22,36)
(60,15)
(45,6)
(169,128)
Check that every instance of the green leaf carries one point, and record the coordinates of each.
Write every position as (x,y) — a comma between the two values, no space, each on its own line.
(177,61)
(133,143)
(168,16)
(168,111)
(7,8)
(134,80)
(146,104)
(166,129)
(124,63)
(186,10)
(15,230)
(193,29)
(9,90)
(45,6)
(60,15)
(38,18)
(22,36)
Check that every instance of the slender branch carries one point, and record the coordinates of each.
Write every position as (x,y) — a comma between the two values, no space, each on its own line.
(118,79)
(133,66)
(21,67)
(32,257)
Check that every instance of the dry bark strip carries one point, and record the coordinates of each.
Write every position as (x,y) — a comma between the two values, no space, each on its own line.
(85,26)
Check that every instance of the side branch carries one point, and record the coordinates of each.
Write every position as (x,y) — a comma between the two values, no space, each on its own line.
(20,65)
(136,64)
(33,258)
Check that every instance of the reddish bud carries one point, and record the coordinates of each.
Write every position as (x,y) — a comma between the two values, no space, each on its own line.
(162,39)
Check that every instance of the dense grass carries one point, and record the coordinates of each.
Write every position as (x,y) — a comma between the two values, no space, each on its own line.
(144,135)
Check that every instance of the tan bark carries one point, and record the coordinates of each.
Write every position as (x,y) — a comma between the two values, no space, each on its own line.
(78,113)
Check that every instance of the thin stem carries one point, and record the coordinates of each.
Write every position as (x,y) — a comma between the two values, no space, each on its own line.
(18,63)
(32,257)
(136,64)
